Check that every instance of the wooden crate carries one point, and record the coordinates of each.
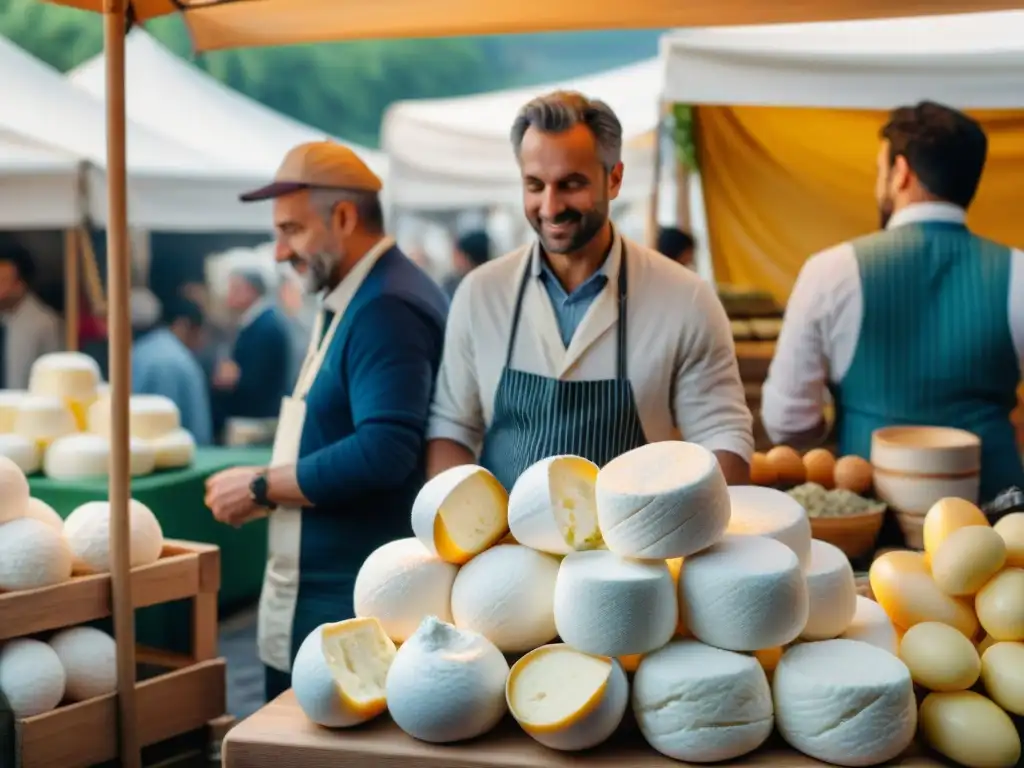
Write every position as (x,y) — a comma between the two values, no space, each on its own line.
(190,697)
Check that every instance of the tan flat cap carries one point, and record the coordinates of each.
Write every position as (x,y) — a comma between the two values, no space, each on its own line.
(323,164)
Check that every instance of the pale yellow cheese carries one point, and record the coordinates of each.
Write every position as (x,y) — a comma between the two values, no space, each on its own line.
(969,729)
(1000,605)
(939,657)
(967,559)
(149,416)
(946,516)
(1002,673)
(71,377)
(1011,528)
(552,507)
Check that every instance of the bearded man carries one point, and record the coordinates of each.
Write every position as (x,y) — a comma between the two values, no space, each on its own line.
(348,454)
(582,342)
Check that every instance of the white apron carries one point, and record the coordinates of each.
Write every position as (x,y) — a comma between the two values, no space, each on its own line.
(281,580)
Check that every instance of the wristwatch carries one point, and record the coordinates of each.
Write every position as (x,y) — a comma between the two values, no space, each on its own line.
(259,490)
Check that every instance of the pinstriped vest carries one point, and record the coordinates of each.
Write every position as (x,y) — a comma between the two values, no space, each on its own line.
(934,346)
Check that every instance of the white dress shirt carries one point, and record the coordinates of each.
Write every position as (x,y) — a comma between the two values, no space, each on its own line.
(822,325)
(33,329)
(681,357)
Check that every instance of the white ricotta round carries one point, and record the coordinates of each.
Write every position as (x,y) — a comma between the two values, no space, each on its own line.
(662,500)
(174,450)
(65,375)
(844,702)
(552,506)
(39,510)
(83,455)
(149,416)
(609,606)
(87,530)
(507,594)
(746,593)
(699,704)
(43,419)
(10,399)
(871,625)
(22,451)
(14,491)
(832,592)
(89,658)
(759,511)
(31,677)
(400,584)
(446,684)
(32,555)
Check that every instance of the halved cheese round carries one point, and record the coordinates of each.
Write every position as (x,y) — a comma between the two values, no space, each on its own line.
(695,703)
(944,517)
(22,451)
(31,677)
(614,607)
(71,377)
(447,684)
(42,420)
(662,500)
(507,594)
(87,530)
(967,559)
(14,490)
(340,671)
(400,584)
(552,506)
(970,730)
(871,625)
(149,416)
(89,658)
(32,555)
(1011,528)
(832,592)
(84,455)
(1002,672)
(744,594)
(567,699)
(460,512)
(174,450)
(844,702)
(903,586)
(939,657)
(771,513)
(1000,605)
(10,399)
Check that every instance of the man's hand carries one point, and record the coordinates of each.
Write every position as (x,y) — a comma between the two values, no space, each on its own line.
(229,498)
(227,375)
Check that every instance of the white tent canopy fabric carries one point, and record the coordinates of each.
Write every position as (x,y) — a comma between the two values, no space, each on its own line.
(39,186)
(970,61)
(170,187)
(171,97)
(454,153)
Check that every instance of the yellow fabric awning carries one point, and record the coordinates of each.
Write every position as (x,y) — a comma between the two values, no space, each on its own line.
(218,24)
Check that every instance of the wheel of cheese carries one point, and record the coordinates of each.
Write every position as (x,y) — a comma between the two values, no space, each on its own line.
(699,704)
(967,559)
(566,699)
(1002,673)
(71,377)
(400,584)
(87,531)
(10,400)
(89,658)
(14,490)
(32,555)
(42,420)
(31,677)
(85,455)
(22,451)
(1000,606)
(1011,529)
(662,500)
(340,672)
(39,510)
(507,594)
(832,592)
(552,506)
(939,657)
(174,450)
(609,606)
(446,684)
(149,416)
(946,516)
(744,594)
(460,513)
(871,625)
(970,730)
(757,511)
(818,685)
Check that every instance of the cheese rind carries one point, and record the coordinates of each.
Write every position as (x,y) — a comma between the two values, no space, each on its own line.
(939,657)
(757,511)
(1011,529)
(946,516)
(87,531)
(42,420)
(1000,605)
(844,702)
(71,377)
(31,677)
(82,455)
(32,555)
(696,703)
(89,658)
(507,594)
(566,699)
(871,625)
(14,491)
(609,606)
(662,500)
(744,594)
(970,730)
(400,584)
(9,402)
(174,450)
(23,452)
(832,592)
(149,416)
(552,506)
(340,671)
(460,512)
(967,559)
(1002,672)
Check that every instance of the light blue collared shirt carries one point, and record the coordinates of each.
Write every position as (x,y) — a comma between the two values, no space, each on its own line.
(571,308)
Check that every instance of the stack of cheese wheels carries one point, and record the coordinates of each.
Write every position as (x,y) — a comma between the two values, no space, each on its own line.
(41,419)
(154,425)
(83,455)
(10,399)
(958,608)
(71,377)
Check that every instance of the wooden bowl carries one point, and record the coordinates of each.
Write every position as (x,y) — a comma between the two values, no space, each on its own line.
(854,534)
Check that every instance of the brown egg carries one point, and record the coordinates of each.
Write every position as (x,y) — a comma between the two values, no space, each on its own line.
(761,471)
(854,474)
(820,465)
(787,465)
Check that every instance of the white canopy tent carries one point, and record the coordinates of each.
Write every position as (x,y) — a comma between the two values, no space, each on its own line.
(170,187)
(968,61)
(39,186)
(454,153)
(173,98)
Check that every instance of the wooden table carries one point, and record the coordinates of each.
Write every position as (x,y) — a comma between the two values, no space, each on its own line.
(280,736)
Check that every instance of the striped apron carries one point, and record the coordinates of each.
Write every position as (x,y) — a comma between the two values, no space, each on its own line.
(537,416)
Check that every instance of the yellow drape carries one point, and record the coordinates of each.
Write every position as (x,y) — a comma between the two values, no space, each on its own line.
(782,183)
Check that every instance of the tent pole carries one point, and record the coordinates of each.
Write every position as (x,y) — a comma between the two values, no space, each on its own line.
(72,290)
(119,318)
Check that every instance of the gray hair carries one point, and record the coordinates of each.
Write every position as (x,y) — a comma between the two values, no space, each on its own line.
(254,277)
(559,111)
(367,204)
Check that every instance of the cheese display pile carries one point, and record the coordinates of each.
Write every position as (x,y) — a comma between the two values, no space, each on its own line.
(61,424)
(648,585)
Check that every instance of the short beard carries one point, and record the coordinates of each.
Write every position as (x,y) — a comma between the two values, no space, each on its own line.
(320,269)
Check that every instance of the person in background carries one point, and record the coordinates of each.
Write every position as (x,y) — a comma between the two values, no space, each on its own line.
(348,456)
(471,250)
(28,327)
(920,323)
(677,245)
(164,361)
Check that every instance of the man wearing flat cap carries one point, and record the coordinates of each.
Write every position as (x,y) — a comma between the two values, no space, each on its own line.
(349,451)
